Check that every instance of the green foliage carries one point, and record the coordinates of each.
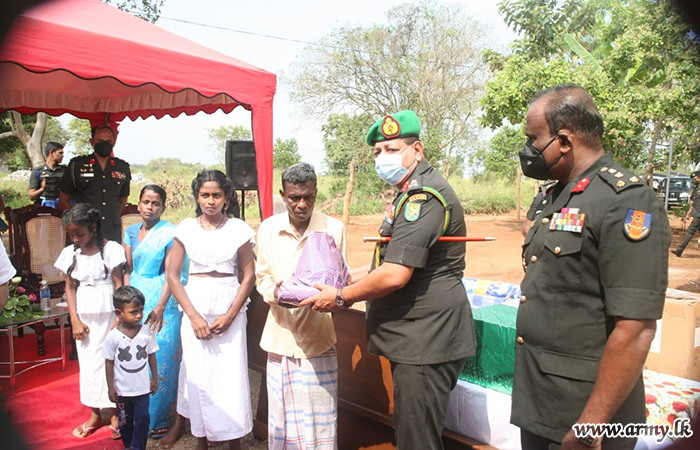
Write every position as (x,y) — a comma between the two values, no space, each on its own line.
(636,58)
(501,156)
(79,133)
(285,153)
(217,138)
(15,193)
(425,57)
(148,10)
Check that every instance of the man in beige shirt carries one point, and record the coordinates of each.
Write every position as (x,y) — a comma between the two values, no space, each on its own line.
(302,368)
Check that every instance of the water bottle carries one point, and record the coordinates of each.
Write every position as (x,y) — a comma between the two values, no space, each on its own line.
(45,297)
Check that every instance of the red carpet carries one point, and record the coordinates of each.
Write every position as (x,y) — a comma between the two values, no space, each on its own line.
(45,405)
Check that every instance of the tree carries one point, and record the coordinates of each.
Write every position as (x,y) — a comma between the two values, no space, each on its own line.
(285,153)
(148,10)
(426,58)
(501,157)
(344,141)
(22,137)
(218,136)
(640,63)
(79,133)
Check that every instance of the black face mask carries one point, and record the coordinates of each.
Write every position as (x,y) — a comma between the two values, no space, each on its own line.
(533,162)
(103,148)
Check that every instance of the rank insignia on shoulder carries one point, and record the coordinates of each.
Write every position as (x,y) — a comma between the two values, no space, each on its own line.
(413,184)
(412,211)
(637,224)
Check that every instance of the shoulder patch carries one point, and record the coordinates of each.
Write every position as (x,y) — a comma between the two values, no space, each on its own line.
(412,211)
(637,224)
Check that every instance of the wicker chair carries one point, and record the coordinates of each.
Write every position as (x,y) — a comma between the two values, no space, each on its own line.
(39,238)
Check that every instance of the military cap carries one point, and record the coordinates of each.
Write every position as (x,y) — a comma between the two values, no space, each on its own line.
(402,124)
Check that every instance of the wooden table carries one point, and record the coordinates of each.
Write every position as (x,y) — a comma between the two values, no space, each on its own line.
(365,385)
(57,312)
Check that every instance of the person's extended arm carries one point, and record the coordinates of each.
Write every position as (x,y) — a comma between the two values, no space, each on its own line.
(122,202)
(154,372)
(111,390)
(382,281)
(177,259)
(80,330)
(620,365)
(155,317)
(129,266)
(246,277)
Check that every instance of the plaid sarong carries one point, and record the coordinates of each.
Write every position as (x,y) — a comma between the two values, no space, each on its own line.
(302,402)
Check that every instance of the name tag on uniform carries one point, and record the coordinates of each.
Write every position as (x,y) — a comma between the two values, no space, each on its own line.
(87,174)
(568,219)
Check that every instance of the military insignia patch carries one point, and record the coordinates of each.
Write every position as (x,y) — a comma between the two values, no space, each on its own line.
(413,184)
(412,211)
(390,127)
(637,224)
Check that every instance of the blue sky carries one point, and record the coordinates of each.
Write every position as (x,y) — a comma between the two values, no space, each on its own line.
(304,20)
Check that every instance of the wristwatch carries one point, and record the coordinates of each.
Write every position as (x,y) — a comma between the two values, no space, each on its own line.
(589,440)
(339,299)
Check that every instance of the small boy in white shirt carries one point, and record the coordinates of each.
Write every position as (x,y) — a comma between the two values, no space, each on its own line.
(128,349)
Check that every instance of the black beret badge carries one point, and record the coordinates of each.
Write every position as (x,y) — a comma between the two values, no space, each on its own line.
(390,127)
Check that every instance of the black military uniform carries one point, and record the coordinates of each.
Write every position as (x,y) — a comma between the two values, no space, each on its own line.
(51,188)
(695,214)
(598,249)
(86,182)
(429,320)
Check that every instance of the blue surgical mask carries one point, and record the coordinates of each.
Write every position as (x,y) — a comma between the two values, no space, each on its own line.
(389,167)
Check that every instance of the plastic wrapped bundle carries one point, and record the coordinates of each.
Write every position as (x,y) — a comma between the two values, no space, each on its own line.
(320,262)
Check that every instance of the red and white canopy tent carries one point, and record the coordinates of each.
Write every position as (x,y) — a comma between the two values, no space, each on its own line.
(91,60)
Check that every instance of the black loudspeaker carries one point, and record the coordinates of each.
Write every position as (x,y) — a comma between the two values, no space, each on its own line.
(241,166)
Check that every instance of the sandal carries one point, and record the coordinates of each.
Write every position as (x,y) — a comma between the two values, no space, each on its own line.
(158,433)
(116,435)
(83,431)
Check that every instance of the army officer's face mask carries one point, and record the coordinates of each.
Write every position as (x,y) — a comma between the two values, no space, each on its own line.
(533,162)
(389,167)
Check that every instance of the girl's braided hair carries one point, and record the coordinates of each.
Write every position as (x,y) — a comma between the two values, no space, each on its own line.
(84,215)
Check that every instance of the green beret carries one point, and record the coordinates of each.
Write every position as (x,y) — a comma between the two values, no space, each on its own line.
(400,125)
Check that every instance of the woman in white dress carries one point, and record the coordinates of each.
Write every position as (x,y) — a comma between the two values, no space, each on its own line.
(93,268)
(214,390)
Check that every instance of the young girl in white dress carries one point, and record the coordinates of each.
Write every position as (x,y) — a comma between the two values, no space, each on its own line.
(214,390)
(93,268)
